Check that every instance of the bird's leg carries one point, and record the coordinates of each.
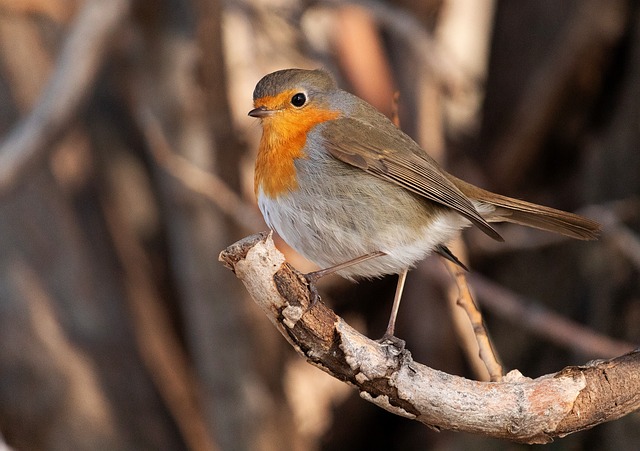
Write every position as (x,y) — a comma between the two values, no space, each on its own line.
(389,334)
(314,276)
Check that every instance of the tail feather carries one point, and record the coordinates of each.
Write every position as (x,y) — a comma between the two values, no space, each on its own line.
(445,252)
(529,214)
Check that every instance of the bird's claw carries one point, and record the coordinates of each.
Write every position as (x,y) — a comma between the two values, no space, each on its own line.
(392,341)
(311,279)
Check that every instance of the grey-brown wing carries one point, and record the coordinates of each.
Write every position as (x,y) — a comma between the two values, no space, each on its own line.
(398,159)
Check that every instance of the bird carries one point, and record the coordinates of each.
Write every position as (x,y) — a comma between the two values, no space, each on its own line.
(351,192)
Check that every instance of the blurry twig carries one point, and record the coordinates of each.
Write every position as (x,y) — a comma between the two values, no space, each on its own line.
(615,231)
(196,179)
(59,10)
(76,68)
(3,445)
(361,54)
(448,73)
(537,319)
(627,242)
(585,43)
(465,300)
(543,322)
(159,346)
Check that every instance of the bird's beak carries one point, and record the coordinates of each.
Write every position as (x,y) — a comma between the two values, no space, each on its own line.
(260,112)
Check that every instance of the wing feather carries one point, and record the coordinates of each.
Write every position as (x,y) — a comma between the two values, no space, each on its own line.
(398,159)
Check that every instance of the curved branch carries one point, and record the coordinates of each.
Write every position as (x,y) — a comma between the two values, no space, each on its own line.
(75,72)
(517,408)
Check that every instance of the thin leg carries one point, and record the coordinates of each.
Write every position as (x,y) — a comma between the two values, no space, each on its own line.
(314,276)
(396,304)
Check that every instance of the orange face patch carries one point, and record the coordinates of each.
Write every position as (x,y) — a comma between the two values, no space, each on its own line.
(284,136)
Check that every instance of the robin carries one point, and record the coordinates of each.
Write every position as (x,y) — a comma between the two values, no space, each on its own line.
(351,192)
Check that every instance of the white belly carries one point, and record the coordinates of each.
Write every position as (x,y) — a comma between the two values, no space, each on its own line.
(350,227)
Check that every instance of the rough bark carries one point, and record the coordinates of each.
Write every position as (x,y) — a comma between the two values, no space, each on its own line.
(517,408)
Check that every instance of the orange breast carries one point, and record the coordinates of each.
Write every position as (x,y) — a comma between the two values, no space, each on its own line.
(284,135)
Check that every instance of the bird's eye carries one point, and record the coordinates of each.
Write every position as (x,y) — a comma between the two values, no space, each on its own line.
(298,99)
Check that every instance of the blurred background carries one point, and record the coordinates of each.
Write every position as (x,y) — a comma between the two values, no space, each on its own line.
(126,166)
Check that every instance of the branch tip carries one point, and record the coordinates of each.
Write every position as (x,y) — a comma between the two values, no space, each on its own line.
(238,250)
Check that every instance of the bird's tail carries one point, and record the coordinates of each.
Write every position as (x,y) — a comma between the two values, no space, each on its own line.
(529,214)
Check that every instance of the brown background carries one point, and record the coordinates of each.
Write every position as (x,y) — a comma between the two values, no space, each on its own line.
(119,329)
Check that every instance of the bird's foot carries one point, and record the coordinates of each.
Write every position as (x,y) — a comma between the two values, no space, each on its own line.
(392,341)
(311,279)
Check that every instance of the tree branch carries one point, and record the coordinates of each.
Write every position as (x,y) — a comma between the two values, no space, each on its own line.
(465,300)
(76,68)
(517,408)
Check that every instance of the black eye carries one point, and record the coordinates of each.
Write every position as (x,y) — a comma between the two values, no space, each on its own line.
(298,99)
